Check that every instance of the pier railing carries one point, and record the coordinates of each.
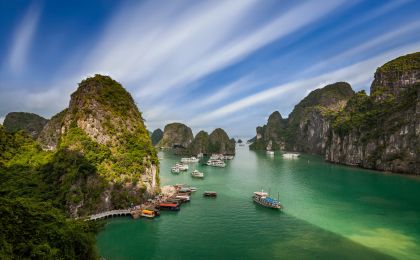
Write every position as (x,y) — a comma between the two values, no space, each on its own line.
(111,213)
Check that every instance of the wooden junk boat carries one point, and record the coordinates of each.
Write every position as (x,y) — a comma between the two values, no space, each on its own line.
(264,199)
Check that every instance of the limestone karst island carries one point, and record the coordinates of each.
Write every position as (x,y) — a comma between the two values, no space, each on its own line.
(238,129)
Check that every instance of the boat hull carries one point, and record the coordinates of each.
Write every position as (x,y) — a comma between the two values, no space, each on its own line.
(266,204)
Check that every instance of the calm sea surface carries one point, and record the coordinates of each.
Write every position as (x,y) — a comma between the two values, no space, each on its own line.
(331,212)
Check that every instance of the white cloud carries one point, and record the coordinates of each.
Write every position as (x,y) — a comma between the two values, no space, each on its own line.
(354,74)
(23,38)
(365,47)
(166,53)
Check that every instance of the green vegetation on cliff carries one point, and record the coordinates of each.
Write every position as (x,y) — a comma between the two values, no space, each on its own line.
(100,158)
(365,113)
(33,203)
(156,136)
(176,135)
(290,133)
(401,64)
(31,123)
(219,142)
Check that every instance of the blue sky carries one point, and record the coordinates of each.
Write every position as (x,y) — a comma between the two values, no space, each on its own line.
(207,64)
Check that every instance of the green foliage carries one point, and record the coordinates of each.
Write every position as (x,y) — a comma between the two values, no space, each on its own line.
(35,187)
(401,64)
(36,230)
(109,93)
(156,136)
(28,122)
(367,114)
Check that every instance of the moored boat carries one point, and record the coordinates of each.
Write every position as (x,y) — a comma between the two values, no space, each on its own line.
(175,169)
(290,155)
(264,199)
(270,152)
(148,213)
(183,198)
(197,174)
(191,159)
(210,194)
(182,167)
(169,206)
(216,163)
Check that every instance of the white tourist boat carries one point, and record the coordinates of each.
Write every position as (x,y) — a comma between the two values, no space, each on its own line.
(216,163)
(270,152)
(197,174)
(175,169)
(182,167)
(290,155)
(217,157)
(189,159)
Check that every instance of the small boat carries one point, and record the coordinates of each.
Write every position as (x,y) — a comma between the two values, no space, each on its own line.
(290,155)
(189,159)
(169,206)
(183,198)
(216,156)
(264,199)
(175,169)
(197,174)
(210,194)
(193,189)
(270,152)
(185,190)
(216,163)
(148,213)
(182,167)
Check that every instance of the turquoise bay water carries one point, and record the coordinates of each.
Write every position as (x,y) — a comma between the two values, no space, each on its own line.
(331,212)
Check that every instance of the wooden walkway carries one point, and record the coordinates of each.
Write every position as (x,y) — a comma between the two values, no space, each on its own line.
(111,213)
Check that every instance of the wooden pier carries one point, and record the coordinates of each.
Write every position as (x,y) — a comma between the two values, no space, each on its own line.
(111,213)
(169,193)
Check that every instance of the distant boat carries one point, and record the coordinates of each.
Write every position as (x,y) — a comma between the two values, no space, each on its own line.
(263,198)
(189,159)
(197,174)
(182,167)
(216,163)
(175,169)
(270,152)
(210,194)
(290,155)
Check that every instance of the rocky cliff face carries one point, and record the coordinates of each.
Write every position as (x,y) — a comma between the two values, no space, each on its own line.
(103,125)
(219,142)
(306,128)
(272,135)
(31,123)
(200,144)
(51,132)
(382,131)
(176,135)
(156,136)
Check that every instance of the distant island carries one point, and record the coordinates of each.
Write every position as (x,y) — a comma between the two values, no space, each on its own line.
(179,138)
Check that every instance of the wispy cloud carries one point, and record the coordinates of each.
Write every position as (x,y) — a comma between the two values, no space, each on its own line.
(354,74)
(169,53)
(23,37)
